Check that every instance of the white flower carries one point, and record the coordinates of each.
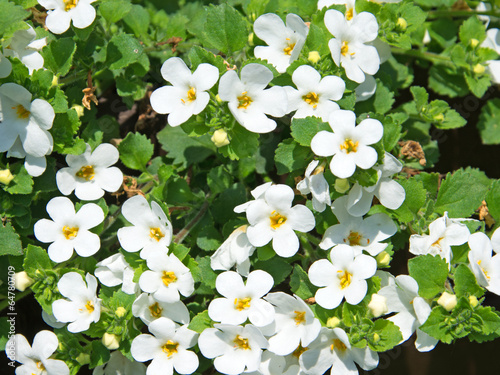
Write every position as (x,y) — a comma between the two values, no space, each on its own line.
(167,347)
(90,173)
(274,218)
(25,47)
(236,349)
(51,320)
(68,230)
(366,89)
(83,306)
(348,143)
(35,360)
(345,276)
(284,42)
(412,311)
(167,278)
(314,182)
(333,349)
(257,193)
(188,94)
(350,10)
(361,234)
(493,41)
(314,95)
(149,309)
(443,233)
(24,127)
(61,12)
(348,45)
(151,231)
(118,364)
(390,193)
(242,301)
(114,271)
(5,66)
(236,250)
(295,324)
(483,264)
(249,101)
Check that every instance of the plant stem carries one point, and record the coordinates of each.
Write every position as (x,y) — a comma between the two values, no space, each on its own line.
(185,231)
(429,56)
(460,13)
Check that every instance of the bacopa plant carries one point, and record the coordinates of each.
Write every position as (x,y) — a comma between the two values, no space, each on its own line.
(240,186)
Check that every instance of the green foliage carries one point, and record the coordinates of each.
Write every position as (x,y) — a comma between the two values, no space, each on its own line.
(304,129)
(200,322)
(430,272)
(300,284)
(465,283)
(12,18)
(11,243)
(488,123)
(122,50)
(135,151)
(58,55)
(114,10)
(290,156)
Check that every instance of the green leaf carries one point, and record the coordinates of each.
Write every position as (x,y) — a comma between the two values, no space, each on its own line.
(290,156)
(123,50)
(436,327)
(430,272)
(490,319)
(12,18)
(489,122)
(114,10)
(478,85)
(22,182)
(300,284)
(99,354)
(11,243)
(135,151)
(243,143)
(198,55)
(35,259)
(58,55)
(225,29)
(472,28)
(277,267)
(222,207)
(462,192)
(444,81)
(138,20)
(208,275)
(201,322)
(493,200)
(179,250)
(414,200)
(219,179)
(63,130)
(304,129)
(208,239)
(465,283)
(385,335)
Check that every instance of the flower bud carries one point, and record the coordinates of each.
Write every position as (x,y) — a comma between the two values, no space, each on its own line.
(474,42)
(22,281)
(376,337)
(378,305)
(79,109)
(479,69)
(341,185)
(250,39)
(6,176)
(219,100)
(383,259)
(448,301)
(402,24)
(83,359)
(111,341)
(55,81)
(220,138)
(314,57)
(473,301)
(439,117)
(120,312)
(332,322)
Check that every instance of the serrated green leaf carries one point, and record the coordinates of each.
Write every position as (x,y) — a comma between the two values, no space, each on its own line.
(300,284)
(208,239)
(291,156)
(58,55)
(36,258)
(489,122)
(304,129)
(445,81)
(465,283)
(198,55)
(63,131)
(99,354)
(277,267)
(135,151)
(22,182)
(388,336)
(490,319)
(435,326)
(430,272)
(114,10)
(472,28)
(414,200)
(478,85)
(123,50)
(12,18)
(201,322)
(11,243)
(219,179)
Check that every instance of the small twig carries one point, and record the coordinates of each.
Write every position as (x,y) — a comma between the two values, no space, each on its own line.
(185,231)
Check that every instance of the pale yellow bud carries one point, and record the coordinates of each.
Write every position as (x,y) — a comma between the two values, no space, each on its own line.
(402,24)
(6,176)
(120,312)
(332,322)
(250,39)
(217,97)
(448,301)
(83,359)
(55,81)
(473,301)
(22,281)
(376,337)
(479,69)
(341,185)
(220,138)
(474,43)
(314,57)
(79,109)
(383,259)
(378,305)
(111,341)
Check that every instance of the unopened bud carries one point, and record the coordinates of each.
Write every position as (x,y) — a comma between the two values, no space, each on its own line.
(402,24)
(479,69)
(314,57)
(79,109)
(448,301)
(219,100)
(473,301)
(250,39)
(22,281)
(83,359)
(383,259)
(439,117)
(6,176)
(376,337)
(55,81)
(220,138)
(341,185)
(474,42)
(120,312)
(111,341)
(332,322)
(378,305)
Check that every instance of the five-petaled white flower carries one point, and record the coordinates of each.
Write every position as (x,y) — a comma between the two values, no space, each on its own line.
(90,174)
(348,143)
(114,271)
(35,360)
(25,47)
(188,94)
(345,276)
(314,96)
(83,306)
(151,231)
(167,347)
(284,43)
(61,12)
(485,265)
(69,230)
(314,182)
(149,309)
(242,301)
(350,10)
(272,217)
(119,364)
(24,127)
(250,101)
(348,45)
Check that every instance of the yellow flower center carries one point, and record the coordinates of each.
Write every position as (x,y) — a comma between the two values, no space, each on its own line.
(312,99)
(482,269)
(338,345)
(354,239)
(70,232)
(297,352)
(86,172)
(242,303)
(156,233)
(349,14)
(22,112)
(170,348)
(241,343)
(244,100)
(277,220)
(438,242)
(349,146)
(345,279)
(300,317)
(69,4)
(40,366)
(155,310)
(191,95)
(168,277)
(90,307)
(289,48)
(344,49)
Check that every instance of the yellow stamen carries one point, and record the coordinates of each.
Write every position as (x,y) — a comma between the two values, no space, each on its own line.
(90,307)
(437,243)
(297,352)
(241,342)
(170,348)
(156,234)
(300,317)
(242,303)
(344,49)
(338,345)
(312,99)
(345,279)
(289,48)
(70,232)
(69,4)
(349,14)
(86,172)
(244,100)
(349,146)
(155,310)
(22,112)
(482,269)
(354,239)
(168,277)
(277,220)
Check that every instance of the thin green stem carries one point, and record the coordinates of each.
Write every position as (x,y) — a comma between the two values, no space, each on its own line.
(179,238)
(429,56)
